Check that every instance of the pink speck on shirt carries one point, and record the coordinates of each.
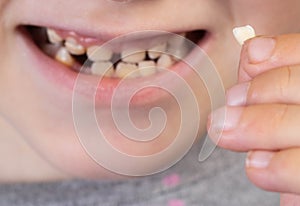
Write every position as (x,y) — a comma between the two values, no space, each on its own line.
(171,180)
(176,203)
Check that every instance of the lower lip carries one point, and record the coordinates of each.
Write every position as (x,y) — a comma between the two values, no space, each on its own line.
(87,85)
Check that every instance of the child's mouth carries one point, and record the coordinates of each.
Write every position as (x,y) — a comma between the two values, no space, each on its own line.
(85,54)
(77,62)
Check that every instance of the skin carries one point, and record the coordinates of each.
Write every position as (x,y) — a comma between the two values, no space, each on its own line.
(269,107)
(38,132)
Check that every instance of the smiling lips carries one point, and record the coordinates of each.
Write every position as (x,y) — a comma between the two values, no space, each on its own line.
(91,57)
(85,65)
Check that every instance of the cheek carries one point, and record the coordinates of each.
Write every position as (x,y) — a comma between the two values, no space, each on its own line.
(226,57)
(269,17)
(44,116)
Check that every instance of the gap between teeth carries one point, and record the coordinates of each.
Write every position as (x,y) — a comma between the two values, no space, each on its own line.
(132,64)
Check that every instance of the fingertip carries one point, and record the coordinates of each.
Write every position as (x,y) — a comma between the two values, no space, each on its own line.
(237,95)
(260,49)
(274,171)
(261,172)
(243,75)
(258,172)
(255,56)
(259,159)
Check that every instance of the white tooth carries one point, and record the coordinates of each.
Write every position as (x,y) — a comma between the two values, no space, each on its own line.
(64,57)
(180,53)
(53,37)
(243,33)
(133,56)
(177,47)
(176,40)
(102,69)
(97,53)
(127,70)
(74,47)
(147,68)
(157,51)
(164,62)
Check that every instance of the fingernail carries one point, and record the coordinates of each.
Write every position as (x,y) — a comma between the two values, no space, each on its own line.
(259,160)
(223,119)
(260,49)
(237,95)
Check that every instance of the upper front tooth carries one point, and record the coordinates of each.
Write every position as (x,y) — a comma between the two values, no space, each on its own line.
(147,68)
(53,37)
(96,53)
(157,51)
(133,56)
(64,57)
(127,70)
(74,47)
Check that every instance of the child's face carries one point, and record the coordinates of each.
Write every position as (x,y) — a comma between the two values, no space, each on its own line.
(37,93)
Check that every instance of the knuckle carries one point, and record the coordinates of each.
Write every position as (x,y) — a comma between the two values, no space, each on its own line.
(281,115)
(285,81)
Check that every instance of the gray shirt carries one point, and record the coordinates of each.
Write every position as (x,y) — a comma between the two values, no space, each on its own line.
(218,181)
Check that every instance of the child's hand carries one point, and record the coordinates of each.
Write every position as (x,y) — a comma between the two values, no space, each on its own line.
(263,113)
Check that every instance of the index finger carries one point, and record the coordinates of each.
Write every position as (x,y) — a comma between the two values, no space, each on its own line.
(263,53)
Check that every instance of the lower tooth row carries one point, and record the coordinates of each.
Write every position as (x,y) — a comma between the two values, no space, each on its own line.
(127,70)
(124,70)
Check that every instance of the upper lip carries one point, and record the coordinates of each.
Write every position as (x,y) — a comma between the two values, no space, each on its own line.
(107,33)
(140,39)
(104,30)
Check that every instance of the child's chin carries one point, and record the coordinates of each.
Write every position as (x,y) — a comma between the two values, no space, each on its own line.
(78,164)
